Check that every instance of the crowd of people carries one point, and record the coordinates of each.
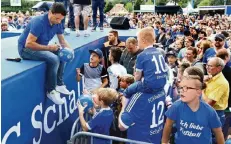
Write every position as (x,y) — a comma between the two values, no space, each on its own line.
(170,83)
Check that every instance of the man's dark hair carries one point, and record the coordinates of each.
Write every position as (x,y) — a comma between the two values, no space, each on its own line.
(115,33)
(58,8)
(203,32)
(116,53)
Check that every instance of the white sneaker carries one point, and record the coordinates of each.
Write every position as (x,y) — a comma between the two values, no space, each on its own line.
(86,33)
(77,33)
(55,97)
(62,89)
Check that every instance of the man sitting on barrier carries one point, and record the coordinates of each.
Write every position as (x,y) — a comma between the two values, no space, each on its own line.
(101,120)
(33,44)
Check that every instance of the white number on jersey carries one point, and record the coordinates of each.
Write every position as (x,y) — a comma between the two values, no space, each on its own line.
(162,64)
(160,106)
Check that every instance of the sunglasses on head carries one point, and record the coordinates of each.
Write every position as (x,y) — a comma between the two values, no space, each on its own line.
(220,40)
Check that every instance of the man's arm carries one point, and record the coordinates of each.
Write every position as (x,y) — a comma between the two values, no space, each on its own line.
(210,102)
(219,135)
(32,44)
(62,41)
(167,131)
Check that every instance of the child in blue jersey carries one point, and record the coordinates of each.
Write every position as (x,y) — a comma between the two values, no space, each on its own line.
(101,120)
(150,66)
(194,118)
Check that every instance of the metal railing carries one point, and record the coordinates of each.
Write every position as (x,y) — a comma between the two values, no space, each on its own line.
(110,138)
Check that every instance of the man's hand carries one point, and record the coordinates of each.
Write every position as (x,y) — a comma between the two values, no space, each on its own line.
(53,47)
(80,108)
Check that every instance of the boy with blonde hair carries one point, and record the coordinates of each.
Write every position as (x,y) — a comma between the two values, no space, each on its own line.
(101,120)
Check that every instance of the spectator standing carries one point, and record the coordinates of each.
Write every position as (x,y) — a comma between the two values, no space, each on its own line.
(129,55)
(95,5)
(82,7)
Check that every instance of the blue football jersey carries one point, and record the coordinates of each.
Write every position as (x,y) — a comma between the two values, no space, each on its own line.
(151,62)
(100,124)
(144,117)
(193,127)
(209,53)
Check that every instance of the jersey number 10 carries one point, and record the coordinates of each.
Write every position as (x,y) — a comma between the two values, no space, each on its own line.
(162,64)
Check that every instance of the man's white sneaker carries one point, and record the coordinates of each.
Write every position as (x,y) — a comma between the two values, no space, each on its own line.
(55,97)
(62,89)
(77,33)
(86,33)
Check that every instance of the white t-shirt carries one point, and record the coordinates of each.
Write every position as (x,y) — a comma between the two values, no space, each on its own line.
(114,71)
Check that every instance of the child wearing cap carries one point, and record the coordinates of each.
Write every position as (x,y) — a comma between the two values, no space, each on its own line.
(193,117)
(172,61)
(95,75)
(101,120)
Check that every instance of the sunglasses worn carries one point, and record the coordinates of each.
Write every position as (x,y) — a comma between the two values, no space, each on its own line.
(220,40)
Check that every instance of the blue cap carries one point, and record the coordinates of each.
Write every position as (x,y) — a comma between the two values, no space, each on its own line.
(173,53)
(220,36)
(97,51)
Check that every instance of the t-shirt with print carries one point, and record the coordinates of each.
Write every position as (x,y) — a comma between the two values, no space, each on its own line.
(144,117)
(92,76)
(209,53)
(193,127)
(100,123)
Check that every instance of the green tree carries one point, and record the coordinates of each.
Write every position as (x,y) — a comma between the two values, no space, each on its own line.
(129,7)
(149,2)
(108,6)
(137,4)
(205,3)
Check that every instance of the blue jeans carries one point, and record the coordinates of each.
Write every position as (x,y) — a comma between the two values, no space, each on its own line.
(221,115)
(71,20)
(55,68)
(95,5)
(138,86)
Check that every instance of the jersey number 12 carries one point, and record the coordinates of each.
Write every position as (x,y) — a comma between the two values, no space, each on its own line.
(160,120)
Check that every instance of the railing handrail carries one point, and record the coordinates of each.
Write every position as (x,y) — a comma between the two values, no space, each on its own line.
(104,137)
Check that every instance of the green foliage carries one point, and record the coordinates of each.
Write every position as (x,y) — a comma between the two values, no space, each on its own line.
(26,5)
(108,6)
(161,2)
(183,3)
(129,7)
(205,3)
(137,4)
(149,2)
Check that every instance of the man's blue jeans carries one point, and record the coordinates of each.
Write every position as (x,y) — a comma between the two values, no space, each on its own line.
(95,5)
(55,68)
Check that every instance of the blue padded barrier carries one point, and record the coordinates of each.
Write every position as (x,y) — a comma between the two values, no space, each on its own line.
(9,34)
(27,115)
